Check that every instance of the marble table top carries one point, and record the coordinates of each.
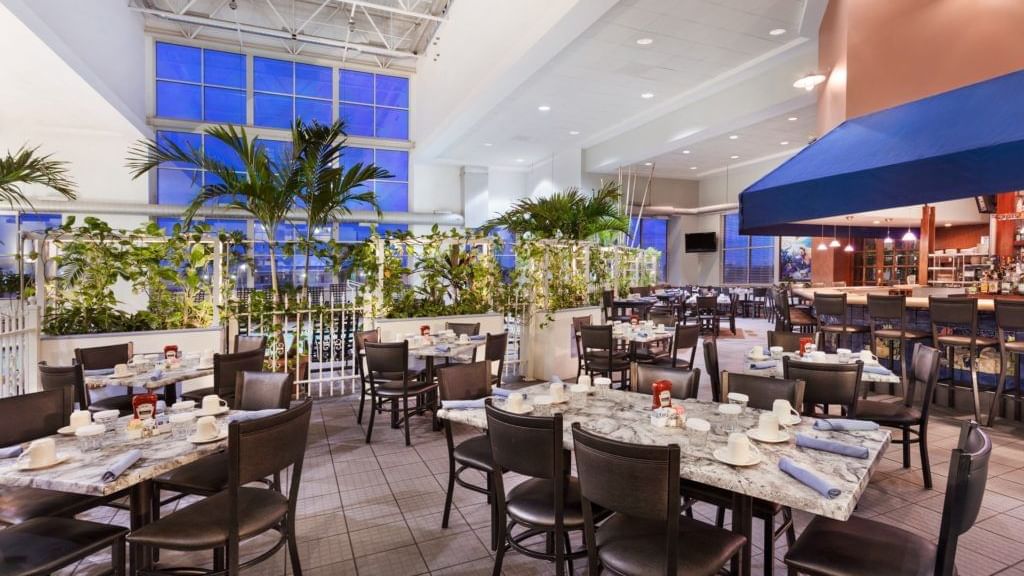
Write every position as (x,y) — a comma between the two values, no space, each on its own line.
(776,370)
(636,337)
(83,472)
(454,348)
(625,416)
(145,380)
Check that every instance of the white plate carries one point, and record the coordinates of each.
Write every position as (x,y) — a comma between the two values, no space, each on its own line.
(526,408)
(66,431)
(756,434)
(121,377)
(792,421)
(223,434)
(217,412)
(722,455)
(758,358)
(60,460)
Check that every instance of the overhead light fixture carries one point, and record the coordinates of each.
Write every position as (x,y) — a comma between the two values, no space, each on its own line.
(734,157)
(835,242)
(645,41)
(821,245)
(686,151)
(888,237)
(792,118)
(909,236)
(809,81)
(544,108)
(784,143)
(693,167)
(488,144)
(777,31)
(948,224)
(849,236)
(647,95)
(648,163)
(876,221)
(733,137)
(574,132)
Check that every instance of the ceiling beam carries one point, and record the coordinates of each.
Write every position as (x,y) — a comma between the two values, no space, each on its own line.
(392,10)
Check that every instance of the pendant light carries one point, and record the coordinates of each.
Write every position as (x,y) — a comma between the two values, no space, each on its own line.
(909,236)
(821,245)
(888,237)
(849,241)
(834,243)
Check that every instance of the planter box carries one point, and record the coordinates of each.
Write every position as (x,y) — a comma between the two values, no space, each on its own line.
(393,328)
(551,349)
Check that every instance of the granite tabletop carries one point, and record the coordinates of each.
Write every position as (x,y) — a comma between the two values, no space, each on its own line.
(625,416)
(449,347)
(148,379)
(775,371)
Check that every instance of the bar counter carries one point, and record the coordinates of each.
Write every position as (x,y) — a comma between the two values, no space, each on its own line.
(917,295)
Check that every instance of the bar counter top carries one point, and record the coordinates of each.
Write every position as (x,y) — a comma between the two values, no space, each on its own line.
(917,300)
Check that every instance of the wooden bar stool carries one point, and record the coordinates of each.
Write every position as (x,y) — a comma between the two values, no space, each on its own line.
(950,315)
(1009,320)
(887,321)
(834,318)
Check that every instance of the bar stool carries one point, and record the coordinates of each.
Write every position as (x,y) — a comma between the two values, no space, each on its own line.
(834,318)
(890,311)
(1009,319)
(790,319)
(949,315)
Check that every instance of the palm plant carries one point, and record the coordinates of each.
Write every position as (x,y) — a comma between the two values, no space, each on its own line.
(26,166)
(569,215)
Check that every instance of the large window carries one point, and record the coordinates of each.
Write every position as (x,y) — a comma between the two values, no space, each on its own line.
(374,105)
(176,184)
(653,233)
(392,193)
(284,91)
(746,259)
(199,84)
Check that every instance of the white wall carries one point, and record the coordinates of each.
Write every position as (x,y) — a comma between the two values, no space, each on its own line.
(561,171)
(434,188)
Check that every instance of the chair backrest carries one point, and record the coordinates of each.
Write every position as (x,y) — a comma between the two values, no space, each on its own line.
(826,383)
(596,338)
(711,365)
(924,376)
(790,341)
(464,381)
(965,488)
(1010,314)
(227,366)
(685,383)
(607,300)
(613,473)
(103,357)
(665,317)
(494,351)
(762,390)
(707,304)
(889,308)
(830,305)
(686,336)
(387,357)
(247,342)
(578,322)
(961,312)
(527,445)
(460,328)
(263,390)
(30,416)
(57,377)
(359,341)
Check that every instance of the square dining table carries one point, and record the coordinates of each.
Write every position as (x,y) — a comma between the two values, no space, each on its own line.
(168,380)
(626,416)
(876,373)
(641,337)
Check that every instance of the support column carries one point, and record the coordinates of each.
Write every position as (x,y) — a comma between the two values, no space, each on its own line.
(1003,243)
(926,243)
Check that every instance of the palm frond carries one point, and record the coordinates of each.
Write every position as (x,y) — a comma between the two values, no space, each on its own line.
(26,166)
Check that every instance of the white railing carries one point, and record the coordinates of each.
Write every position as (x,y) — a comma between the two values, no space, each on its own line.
(19,348)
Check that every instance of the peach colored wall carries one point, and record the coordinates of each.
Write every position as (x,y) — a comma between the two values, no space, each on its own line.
(832,59)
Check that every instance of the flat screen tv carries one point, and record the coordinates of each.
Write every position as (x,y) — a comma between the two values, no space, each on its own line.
(701,242)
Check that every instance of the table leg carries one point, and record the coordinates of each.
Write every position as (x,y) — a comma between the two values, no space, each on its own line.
(170,394)
(140,504)
(742,524)
(432,395)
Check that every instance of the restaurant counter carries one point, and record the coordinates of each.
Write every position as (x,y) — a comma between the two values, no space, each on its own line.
(917,295)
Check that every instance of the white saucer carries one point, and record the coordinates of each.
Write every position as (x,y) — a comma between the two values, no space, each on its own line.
(760,358)
(756,434)
(792,421)
(217,438)
(60,460)
(526,408)
(121,377)
(66,431)
(722,455)
(222,410)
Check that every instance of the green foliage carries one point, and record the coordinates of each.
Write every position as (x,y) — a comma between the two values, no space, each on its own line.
(26,166)
(566,215)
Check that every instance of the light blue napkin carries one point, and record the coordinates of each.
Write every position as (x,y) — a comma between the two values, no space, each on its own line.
(877,369)
(555,379)
(845,425)
(117,467)
(478,337)
(832,446)
(11,451)
(809,478)
(98,372)
(156,374)
(462,404)
(246,415)
(442,348)
(762,364)
(501,392)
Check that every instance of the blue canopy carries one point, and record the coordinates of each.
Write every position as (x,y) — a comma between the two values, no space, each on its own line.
(962,143)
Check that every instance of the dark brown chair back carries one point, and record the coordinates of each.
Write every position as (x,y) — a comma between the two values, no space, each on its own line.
(465,381)
(494,351)
(707,305)
(890,308)
(685,383)
(954,312)
(596,342)
(826,383)
(527,445)
(460,328)
(359,341)
(1010,314)
(790,341)
(31,416)
(613,473)
(263,390)
(57,377)
(762,390)
(391,358)
(711,365)
(965,488)
(685,337)
(924,376)
(833,305)
(226,368)
(643,291)
(661,316)
(247,342)
(608,303)
(103,357)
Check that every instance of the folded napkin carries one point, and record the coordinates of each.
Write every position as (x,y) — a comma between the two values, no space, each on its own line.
(98,372)
(462,404)
(845,425)
(11,451)
(832,446)
(246,415)
(478,337)
(762,364)
(156,374)
(501,392)
(555,379)
(809,478)
(877,369)
(442,348)
(117,467)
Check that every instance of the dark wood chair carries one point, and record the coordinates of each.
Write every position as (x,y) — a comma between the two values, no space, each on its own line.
(789,318)
(608,307)
(861,546)
(225,373)
(643,535)
(826,385)
(706,312)
(46,545)
(578,322)
(463,328)
(494,351)
(833,317)
(685,383)
(711,366)
(1009,321)
(247,342)
(887,321)
(105,358)
(359,341)
(390,381)
(955,326)
(790,341)
(599,354)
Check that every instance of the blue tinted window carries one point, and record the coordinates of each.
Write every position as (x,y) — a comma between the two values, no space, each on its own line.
(207,84)
(225,225)
(176,100)
(176,186)
(653,233)
(393,196)
(167,224)
(396,162)
(184,140)
(374,105)
(223,69)
(392,123)
(224,105)
(272,110)
(174,62)
(746,259)
(358,119)
(355,86)
(222,152)
(269,75)
(392,91)
(309,110)
(278,150)
(313,81)
(352,156)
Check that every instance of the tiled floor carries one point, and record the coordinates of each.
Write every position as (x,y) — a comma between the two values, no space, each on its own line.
(376,509)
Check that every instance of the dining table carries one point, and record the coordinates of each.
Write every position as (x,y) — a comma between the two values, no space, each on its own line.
(637,337)
(438,347)
(167,378)
(626,416)
(82,472)
(640,306)
(872,372)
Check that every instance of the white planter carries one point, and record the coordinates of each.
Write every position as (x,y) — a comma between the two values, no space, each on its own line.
(551,349)
(393,329)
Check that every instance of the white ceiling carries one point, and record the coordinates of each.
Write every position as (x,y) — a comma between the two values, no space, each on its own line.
(598,80)
(953,212)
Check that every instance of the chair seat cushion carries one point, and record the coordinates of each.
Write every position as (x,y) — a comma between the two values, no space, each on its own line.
(601,364)
(888,412)
(475,453)
(393,388)
(533,503)
(204,476)
(800,318)
(18,504)
(959,340)
(628,545)
(204,525)
(45,545)
(895,334)
(848,329)
(860,546)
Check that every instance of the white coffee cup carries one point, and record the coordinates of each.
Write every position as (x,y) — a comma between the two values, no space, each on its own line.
(80,418)
(661,327)
(584,380)
(42,452)
(844,354)
(514,402)
(213,403)
(817,356)
(182,406)
(867,357)
(757,352)
(768,424)
(122,370)
(463,337)
(557,391)
(783,410)
(739,448)
(207,428)
(776,352)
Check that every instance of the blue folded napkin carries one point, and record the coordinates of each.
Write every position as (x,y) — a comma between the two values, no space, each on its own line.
(555,379)
(809,478)
(98,372)
(462,404)
(478,337)
(501,392)
(442,348)
(832,446)
(762,364)
(877,369)
(845,425)
(246,415)
(117,467)
(156,374)
(11,451)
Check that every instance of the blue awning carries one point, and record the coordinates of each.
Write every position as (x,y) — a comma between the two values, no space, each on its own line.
(962,143)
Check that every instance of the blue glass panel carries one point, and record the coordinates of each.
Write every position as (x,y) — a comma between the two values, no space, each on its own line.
(309,110)
(222,152)
(167,224)
(225,225)
(393,196)
(224,68)
(392,123)
(177,100)
(353,232)
(735,269)
(174,62)
(733,239)
(385,228)
(271,75)
(762,265)
(279,151)
(392,91)
(352,156)
(185,140)
(176,186)
(358,119)
(39,222)
(224,105)
(272,111)
(396,162)
(314,81)
(355,86)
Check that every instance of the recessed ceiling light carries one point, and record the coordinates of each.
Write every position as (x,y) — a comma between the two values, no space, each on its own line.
(488,144)
(686,151)
(645,41)
(733,136)
(544,108)
(520,160)
(734,157)
(693,167)
(647,95)
(792,118)
(777,31)
(648,163)
(948,224)
(574,132)
(784,143)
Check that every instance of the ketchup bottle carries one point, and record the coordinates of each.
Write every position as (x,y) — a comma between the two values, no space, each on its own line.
(657,389)
(144,405)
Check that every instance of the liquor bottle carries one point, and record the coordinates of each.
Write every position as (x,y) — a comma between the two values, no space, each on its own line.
(983,287)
